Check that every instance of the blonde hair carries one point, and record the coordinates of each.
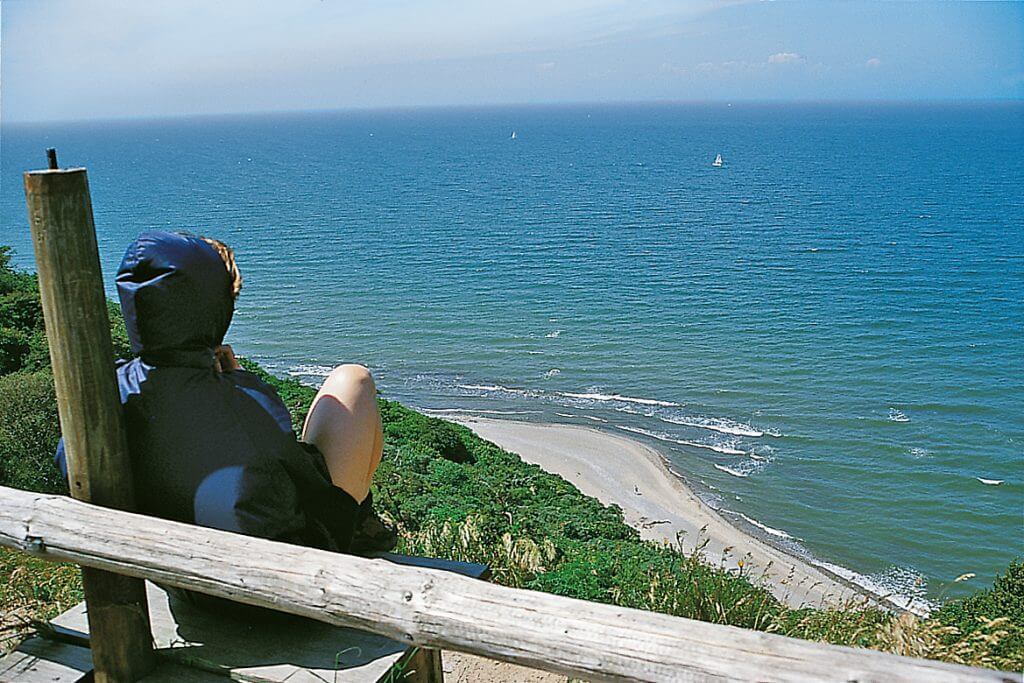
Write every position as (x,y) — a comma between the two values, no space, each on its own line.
(227,254)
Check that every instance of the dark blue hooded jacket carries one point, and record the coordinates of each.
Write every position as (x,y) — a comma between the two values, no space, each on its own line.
(211,448)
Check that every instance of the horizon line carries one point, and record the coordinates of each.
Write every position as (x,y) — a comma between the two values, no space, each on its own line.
(514,105)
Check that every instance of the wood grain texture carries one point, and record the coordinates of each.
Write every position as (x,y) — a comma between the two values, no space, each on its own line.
(257,649)
(45,661)
(37,660)
(439,610)
(78,332)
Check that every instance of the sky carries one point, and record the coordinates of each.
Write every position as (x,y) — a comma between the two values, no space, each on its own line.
(99,59)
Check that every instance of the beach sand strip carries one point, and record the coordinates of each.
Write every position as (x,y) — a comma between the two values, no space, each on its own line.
(622,471)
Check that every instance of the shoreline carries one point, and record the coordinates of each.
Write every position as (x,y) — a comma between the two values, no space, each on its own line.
(661,504)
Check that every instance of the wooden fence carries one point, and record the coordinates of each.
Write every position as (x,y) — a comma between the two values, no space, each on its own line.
(437,609)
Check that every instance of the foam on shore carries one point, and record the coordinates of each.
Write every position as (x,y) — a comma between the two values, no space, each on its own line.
(725,450)
(620,397)
(716,425)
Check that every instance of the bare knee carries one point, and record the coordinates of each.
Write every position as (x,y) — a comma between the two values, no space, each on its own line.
(351,376)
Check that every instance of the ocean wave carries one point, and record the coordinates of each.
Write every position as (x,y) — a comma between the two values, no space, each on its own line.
(901,586)
(732,471)
(474,411)
(646,407)
(310,370)
(552,372)
(553,334)
(620,397)
(897,415)
(918,452)
(493,388)
(779,533)
(585,417)
(712,500)
(726,450)
(720,425)
(634,411)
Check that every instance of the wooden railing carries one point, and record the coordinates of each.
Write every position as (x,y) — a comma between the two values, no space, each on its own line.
(437,609)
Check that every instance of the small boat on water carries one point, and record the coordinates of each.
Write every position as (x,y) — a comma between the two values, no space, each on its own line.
(513,135)
(717,162)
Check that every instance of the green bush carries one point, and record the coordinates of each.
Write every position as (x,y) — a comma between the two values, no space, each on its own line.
(1005,600)
(13,280)
(118,332)
(644,575)
(440,436)
(29,430)
(22,332)
(14,349)
(22,310)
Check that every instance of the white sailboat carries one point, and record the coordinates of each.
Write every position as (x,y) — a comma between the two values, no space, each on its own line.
(718,161)
(513,135)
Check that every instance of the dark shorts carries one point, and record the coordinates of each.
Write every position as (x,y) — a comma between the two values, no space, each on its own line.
(332,519)
(332,514)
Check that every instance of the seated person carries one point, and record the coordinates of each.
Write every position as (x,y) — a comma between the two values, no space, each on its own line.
(211,443)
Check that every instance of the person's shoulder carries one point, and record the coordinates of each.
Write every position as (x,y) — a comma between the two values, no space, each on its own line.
(249,380)
(264,394)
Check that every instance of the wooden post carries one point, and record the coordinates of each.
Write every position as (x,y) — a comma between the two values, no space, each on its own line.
(99,471)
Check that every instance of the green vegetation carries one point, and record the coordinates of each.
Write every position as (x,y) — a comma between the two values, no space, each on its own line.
(452,494)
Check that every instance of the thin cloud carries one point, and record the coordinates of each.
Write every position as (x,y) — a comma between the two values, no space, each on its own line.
(741,66)
(785,58)
(873,63)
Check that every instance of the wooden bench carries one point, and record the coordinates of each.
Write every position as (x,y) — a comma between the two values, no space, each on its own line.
(198,645)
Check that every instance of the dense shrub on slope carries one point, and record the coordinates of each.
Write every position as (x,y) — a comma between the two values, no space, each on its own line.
(22,339)
(29,431)
(29,427)
(1000,608)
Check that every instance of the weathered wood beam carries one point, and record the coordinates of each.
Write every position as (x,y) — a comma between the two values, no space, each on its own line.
(437,609)
(99,471)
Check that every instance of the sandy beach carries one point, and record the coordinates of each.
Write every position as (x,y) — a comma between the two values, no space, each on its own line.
(622,471)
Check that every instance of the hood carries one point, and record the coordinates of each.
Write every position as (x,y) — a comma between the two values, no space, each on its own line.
(176,298)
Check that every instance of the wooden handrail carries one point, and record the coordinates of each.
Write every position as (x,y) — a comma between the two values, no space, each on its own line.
(436,609)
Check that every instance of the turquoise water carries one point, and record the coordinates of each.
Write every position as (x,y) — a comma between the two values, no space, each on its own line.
(825,335)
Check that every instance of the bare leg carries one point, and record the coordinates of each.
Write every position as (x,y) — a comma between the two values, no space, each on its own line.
(344,424)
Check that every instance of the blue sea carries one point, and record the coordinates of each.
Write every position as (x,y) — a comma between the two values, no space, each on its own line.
(825,336)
